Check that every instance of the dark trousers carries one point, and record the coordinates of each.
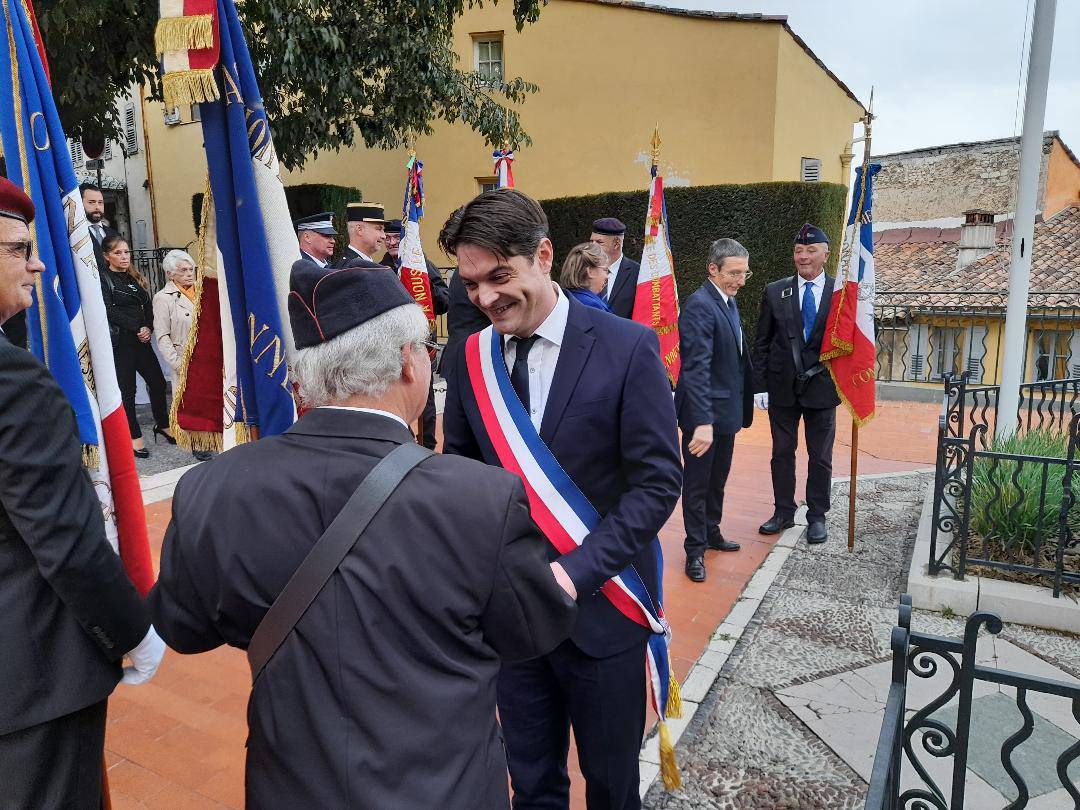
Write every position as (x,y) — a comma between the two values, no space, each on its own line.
(132,355)
(55,764)
(427,418)
(704,479)
(603,699)
(820,430)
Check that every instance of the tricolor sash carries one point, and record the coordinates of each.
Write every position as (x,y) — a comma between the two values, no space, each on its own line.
(566,517)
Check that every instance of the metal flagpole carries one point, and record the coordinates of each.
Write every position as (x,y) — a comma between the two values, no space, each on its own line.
(1042,42)
(857,204)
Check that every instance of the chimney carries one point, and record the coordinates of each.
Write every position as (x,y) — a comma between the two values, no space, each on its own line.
(977,237)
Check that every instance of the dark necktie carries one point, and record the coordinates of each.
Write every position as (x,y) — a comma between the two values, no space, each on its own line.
(519,375)
(809,311)
(735,320)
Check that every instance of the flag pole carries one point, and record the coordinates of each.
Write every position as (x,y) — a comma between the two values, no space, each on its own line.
(853,481)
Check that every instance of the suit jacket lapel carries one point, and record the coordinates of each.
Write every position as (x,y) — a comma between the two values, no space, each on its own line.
(573,355)
(620,280)
(725,313)
(795,312)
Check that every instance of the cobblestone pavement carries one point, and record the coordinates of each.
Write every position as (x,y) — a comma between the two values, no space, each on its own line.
(828,612)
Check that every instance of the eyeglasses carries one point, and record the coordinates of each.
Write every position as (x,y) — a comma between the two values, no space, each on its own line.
(744,276)
(24,250)
(430,345)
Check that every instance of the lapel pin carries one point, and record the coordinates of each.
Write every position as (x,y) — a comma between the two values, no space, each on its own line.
(787,293)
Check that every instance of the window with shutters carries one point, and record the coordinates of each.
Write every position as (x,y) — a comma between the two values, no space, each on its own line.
(131,136)
(488,56)
(75,148)
(811,170)
(108,151)
(487,183)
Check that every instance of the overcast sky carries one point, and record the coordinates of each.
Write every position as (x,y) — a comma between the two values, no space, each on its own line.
(943,71)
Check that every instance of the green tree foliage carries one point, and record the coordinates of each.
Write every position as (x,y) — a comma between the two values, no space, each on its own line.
(380,70)
(764,217)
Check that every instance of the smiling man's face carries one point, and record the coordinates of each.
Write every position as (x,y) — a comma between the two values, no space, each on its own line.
(17,274)
(515,293)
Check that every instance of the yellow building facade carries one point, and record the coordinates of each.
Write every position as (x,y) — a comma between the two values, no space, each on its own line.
(739,99)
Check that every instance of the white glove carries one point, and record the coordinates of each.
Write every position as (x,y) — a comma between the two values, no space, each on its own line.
(144,658)
(761,401)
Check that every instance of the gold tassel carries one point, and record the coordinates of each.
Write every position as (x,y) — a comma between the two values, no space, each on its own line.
(669,768)
(185,87)
(674,698)
(91,456)
(197,440)
(184,33)
(245,433)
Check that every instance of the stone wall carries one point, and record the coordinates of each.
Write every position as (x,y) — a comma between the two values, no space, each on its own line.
(942,183)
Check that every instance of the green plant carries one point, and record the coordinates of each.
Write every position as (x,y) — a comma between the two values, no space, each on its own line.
(1007,505)
(764,217)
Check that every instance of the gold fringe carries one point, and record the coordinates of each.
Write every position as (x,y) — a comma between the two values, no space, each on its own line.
(669,767)
(674,698)
(185,87)
(91,456)
(245,433)
(184,33)
(847,403)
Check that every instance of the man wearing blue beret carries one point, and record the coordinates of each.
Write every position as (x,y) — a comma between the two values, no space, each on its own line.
(792,384)
(621,288)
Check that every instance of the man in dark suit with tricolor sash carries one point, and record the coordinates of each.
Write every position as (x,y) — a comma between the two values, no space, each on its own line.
(577,402)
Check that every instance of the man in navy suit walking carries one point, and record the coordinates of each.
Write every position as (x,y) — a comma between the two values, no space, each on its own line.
(713,398)
(596,391)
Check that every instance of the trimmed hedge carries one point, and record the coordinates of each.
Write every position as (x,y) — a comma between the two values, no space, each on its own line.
(304,200)
(764,217)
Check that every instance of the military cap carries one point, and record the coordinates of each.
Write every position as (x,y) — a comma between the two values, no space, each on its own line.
(811,235)
(609,226)
(365,212)
(394,226)
(319,223)
(325,302)
(14,204)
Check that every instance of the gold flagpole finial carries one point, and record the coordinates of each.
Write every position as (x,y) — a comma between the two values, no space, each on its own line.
(656,142)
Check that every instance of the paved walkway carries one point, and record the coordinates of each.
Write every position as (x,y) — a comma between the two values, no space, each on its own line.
(792,721)
(178,742)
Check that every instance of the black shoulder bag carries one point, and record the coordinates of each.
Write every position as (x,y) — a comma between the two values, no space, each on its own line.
(328,553)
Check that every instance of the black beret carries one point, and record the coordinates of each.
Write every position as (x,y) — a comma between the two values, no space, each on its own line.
(365,212)
(14,204)
(610,226)
(811,235)
(319,223)
(325,302)
(393,226)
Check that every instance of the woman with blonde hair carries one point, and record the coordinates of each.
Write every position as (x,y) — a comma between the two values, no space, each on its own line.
(584,275)
(127,304)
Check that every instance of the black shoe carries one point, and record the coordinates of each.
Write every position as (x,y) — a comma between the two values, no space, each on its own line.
(718,543)
(817,532)
(695,568)
(158,432)
(144,453)
(202,455)
(776,524)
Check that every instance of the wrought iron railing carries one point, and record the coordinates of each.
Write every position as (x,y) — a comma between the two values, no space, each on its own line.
(922,335)
(148,262)
(923,656)
(1001,509)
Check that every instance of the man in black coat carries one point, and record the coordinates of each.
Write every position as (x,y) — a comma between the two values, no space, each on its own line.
(598,396)
(316,234)
(383,696)
(792,383)
(463,318)
(440,302)
(367,231)
(622,283)
(713,399)
(68,612)
(94,204)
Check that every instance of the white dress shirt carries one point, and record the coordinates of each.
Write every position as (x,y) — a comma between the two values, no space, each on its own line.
(543,357)
(613,273)
(375,411)
(817,286)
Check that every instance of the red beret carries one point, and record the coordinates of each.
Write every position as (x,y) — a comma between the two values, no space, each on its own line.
(14,203)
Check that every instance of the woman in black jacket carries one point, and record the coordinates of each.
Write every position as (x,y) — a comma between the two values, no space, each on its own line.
(131,320)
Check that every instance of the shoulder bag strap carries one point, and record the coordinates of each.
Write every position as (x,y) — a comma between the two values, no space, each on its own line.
(328,553)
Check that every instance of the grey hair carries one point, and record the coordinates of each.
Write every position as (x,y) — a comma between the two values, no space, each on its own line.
(364,361)
(725,249)
(173,258)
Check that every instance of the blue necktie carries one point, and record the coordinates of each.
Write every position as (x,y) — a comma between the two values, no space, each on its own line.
(809,311)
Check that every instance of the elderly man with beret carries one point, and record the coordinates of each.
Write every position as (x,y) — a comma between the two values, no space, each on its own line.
(68,613)
(791,382)
(382,695)
(621,289)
